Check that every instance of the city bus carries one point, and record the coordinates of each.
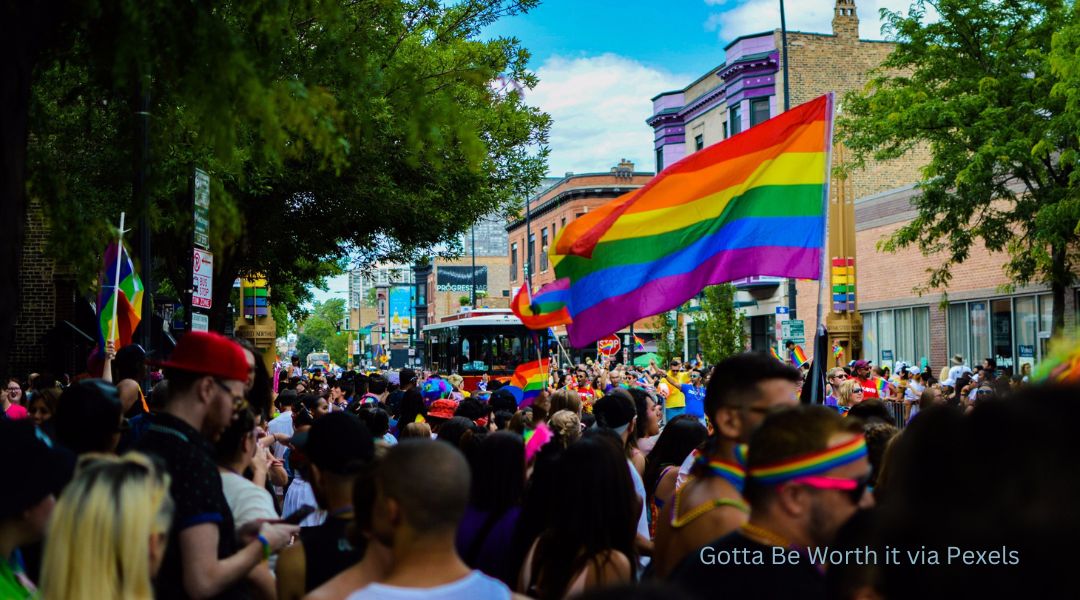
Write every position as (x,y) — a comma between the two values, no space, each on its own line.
(491,341)
(318,360)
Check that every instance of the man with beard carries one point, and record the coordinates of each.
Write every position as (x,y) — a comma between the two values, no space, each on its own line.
(807,473)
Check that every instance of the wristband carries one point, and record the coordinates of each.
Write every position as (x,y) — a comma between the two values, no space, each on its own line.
(265,546)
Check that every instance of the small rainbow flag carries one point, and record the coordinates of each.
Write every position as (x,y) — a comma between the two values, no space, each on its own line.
(128,298)
(532,378)
(753,204)
(545,309)
(775,354)
(882,387)
(639,344)
(798,356)
(837,350)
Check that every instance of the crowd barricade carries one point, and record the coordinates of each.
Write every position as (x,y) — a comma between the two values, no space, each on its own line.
(896,411)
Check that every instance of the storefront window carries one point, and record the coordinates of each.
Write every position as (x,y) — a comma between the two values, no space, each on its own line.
(886,340)
(979,330)
(958,330)
(921,326)
(905,337)
(1027,326)
(869,340)
(1046,321)
(1001,333)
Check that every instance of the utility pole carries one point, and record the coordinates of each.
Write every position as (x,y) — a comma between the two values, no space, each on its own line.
(142,199)
(473,231)
(791,291)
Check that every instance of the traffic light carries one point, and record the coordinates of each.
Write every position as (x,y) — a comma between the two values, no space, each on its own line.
(337,329)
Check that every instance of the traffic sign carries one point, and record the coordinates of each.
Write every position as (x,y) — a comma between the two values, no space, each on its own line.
(608,346)
(200,322)
(202,209)
(794,331)
(202,280)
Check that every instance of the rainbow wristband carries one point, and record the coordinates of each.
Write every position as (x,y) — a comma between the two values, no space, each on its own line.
(265,546)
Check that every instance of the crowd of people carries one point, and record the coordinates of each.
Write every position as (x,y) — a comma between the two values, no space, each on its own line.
(227,480)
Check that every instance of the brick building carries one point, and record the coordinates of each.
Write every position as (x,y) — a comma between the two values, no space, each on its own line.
(975,319)
(558,203)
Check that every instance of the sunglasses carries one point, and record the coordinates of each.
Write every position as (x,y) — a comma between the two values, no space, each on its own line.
(855,488)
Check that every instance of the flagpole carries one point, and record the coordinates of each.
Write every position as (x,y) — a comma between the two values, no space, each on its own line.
(817,371)
(113,334)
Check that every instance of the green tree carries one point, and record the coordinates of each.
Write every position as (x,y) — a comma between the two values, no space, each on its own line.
(321,330)
(369,130)
(979,89)
(669,337)
(720,324)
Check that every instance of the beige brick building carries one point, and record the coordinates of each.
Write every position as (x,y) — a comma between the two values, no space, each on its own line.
(976,318)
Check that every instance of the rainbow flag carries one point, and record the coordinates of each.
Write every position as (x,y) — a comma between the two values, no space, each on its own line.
(532,378)
(546,309)
(639,344)
(753,204)
(798,356)
(775,354)
(128,298)
(882,387)
(837,350)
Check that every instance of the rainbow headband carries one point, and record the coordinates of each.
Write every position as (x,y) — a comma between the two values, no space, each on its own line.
(734,474)
(814,463)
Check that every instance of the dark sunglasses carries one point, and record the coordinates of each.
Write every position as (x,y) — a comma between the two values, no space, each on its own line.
(855,488)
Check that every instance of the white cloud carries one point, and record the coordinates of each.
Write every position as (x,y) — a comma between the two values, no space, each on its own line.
(598,106)
(737,18)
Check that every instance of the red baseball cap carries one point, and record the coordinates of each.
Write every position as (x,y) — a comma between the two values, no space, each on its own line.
(208,353)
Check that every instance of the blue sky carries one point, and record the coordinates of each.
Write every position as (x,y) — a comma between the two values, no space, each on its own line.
(601,61)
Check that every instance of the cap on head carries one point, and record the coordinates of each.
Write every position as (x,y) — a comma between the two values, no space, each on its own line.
(957,359)
(862,364)
(208,353)
(442,409)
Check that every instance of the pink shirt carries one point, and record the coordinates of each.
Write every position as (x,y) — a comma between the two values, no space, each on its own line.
(16,412)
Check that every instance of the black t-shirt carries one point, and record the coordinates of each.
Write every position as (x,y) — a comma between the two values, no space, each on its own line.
(327,552)
(700,579)
(198,496)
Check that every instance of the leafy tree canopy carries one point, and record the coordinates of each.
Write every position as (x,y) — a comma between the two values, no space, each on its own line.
(991,92)
(333,132)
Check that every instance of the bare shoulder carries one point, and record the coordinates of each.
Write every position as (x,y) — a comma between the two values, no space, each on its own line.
(607,568)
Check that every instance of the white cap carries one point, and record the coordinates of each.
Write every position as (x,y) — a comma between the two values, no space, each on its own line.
(949,382)
(914,370)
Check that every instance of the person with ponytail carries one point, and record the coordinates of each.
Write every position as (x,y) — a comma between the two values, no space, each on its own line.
(108,532)
(742,390)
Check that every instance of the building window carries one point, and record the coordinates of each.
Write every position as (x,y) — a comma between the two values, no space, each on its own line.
(735,119)
(759,111)
(699,142)
(562,222)
(659,159)
(543,250)
(513,261)
(530,261)
(891,336)
(1013,331)
(726,134)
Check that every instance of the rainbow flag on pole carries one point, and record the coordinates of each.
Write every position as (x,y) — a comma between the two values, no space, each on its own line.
(544,309)
(127,297)
(753,204)
(532,378)
(798,356)
(775,354)
(639,344)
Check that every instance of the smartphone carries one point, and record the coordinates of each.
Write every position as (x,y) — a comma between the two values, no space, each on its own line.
(299,515)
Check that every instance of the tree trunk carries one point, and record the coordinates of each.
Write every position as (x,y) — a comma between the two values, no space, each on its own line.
(26,28)
(1058,281)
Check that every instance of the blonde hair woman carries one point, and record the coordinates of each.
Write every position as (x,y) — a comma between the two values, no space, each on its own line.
(850,394)
(107,535)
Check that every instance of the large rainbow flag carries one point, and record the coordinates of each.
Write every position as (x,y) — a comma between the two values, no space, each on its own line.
(128,299)
(532,378)
(546,308)
(753,204)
